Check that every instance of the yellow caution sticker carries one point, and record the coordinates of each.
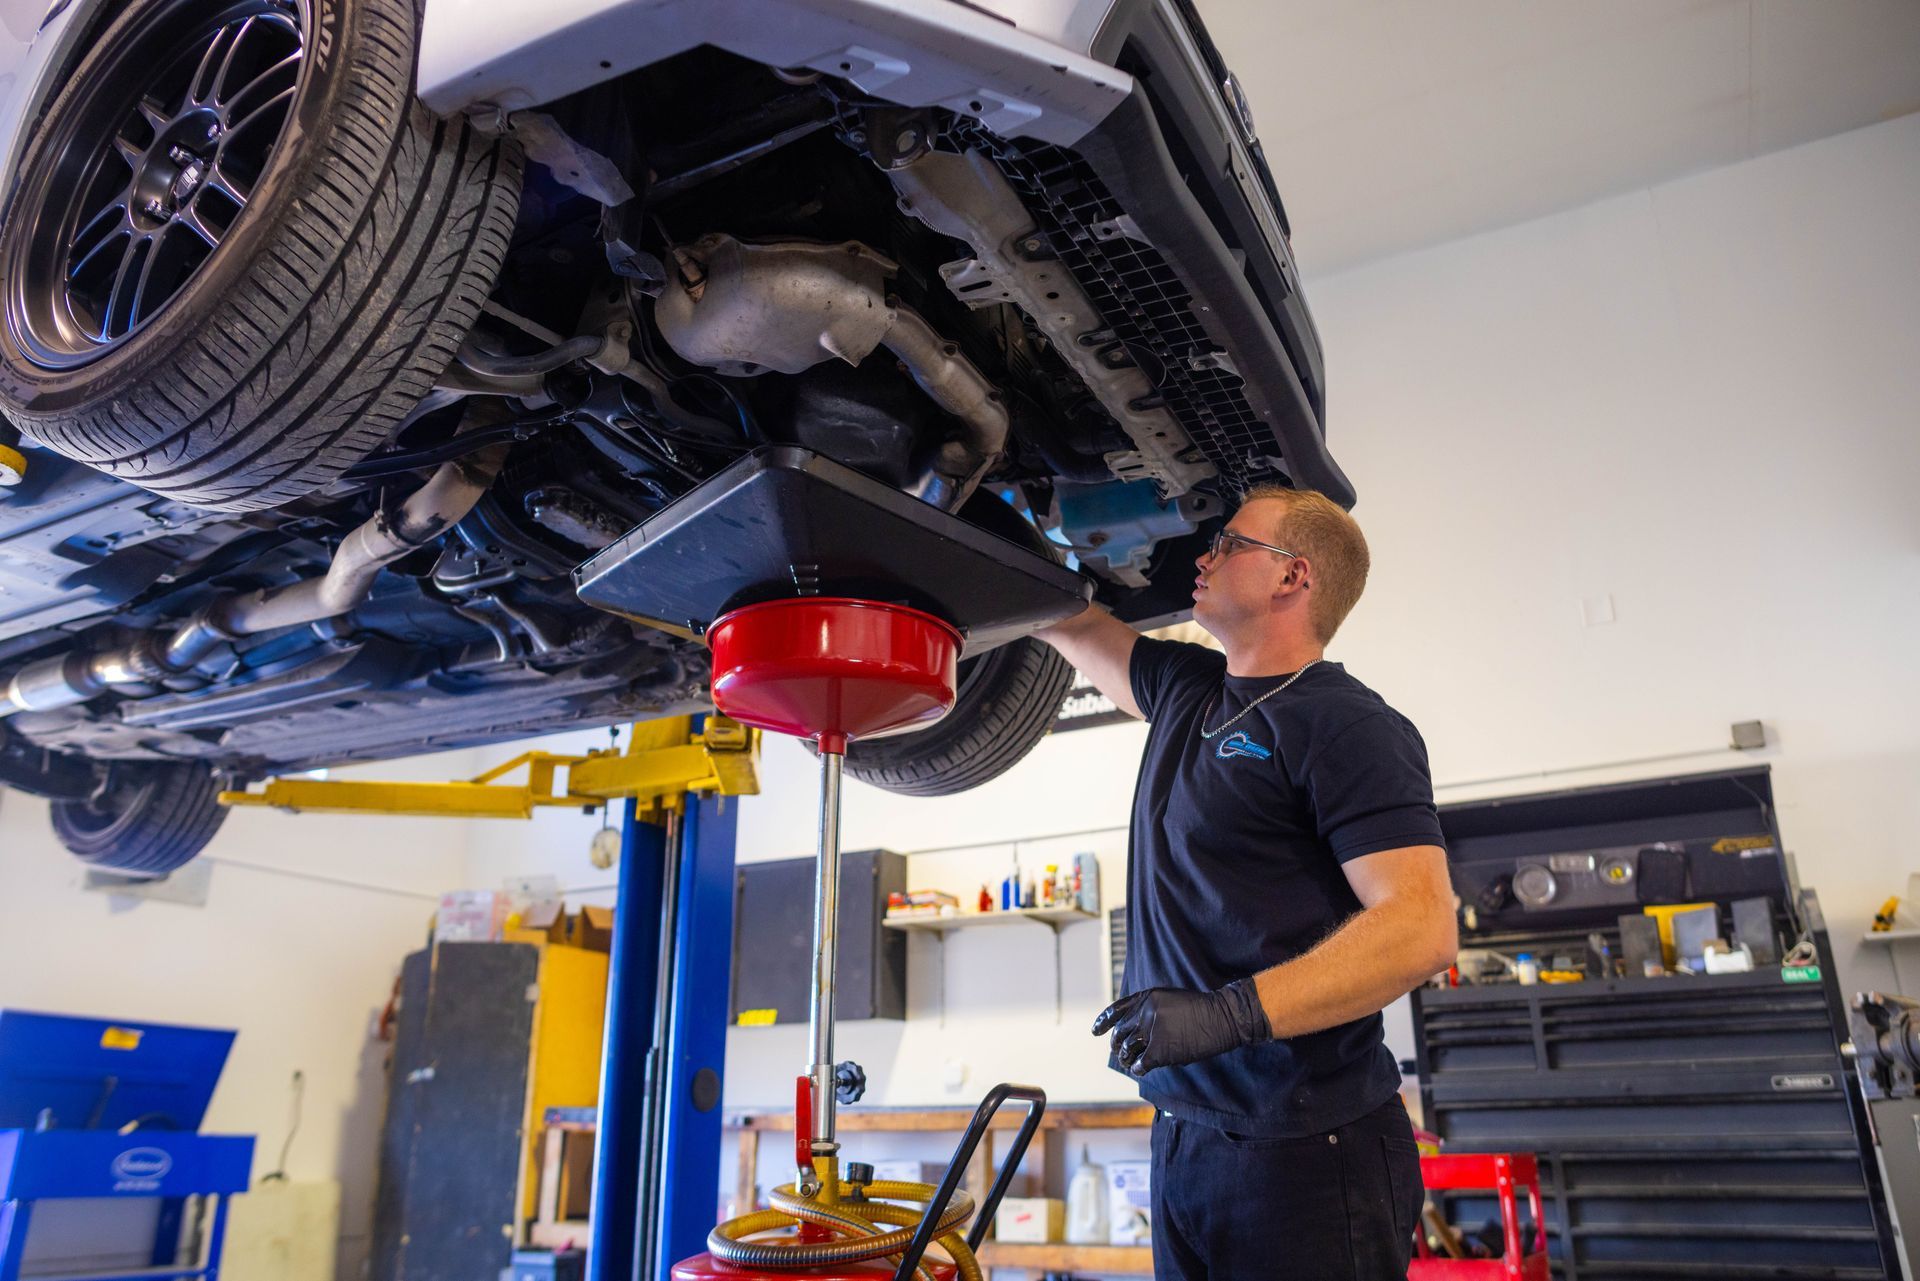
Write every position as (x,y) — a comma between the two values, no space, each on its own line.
(120,1038)
(757,1018)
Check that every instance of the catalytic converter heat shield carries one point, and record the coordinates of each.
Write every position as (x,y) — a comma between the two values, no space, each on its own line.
(743,309)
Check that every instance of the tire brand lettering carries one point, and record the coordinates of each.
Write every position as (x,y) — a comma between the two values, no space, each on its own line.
(323,38)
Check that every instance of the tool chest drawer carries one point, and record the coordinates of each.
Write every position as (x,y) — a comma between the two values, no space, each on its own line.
(1686,1125)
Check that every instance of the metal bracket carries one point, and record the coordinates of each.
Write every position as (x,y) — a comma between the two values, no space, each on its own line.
(663,762)
(572,163)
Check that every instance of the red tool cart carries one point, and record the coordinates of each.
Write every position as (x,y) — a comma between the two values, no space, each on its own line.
(1503,1173)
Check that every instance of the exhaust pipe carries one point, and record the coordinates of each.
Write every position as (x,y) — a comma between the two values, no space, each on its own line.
(743,309)
(425,514)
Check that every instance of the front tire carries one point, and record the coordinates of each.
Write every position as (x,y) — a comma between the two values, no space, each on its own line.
(149,819)
(239,251)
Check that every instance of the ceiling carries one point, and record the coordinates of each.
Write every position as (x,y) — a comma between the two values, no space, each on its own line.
(1394,124)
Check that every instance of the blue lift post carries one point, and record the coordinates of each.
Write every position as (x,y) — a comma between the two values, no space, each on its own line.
(697,1044)
(632,1241)
(632,966)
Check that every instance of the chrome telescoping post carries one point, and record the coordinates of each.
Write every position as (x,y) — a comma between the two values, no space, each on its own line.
(826,918)
(653,1074)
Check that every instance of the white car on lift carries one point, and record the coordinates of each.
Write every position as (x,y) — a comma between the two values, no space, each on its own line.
(337,333)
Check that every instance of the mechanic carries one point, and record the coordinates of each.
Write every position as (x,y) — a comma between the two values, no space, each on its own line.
(1287,880)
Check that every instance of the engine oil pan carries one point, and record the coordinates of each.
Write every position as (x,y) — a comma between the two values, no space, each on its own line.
(785,522)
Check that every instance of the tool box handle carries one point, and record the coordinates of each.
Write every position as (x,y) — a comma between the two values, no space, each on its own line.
(1036,1100)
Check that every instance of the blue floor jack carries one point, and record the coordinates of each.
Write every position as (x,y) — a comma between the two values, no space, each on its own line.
(98,1109)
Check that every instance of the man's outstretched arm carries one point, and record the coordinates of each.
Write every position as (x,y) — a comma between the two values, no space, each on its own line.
(1403,934)
(1101,647)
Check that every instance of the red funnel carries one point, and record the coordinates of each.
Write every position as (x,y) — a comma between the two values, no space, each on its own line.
(832,669)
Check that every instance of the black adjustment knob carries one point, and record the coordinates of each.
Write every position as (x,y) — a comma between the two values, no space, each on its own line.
(860,1173)
(849,1081)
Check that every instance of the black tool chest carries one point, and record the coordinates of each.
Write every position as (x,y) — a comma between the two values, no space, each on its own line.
(1687,1126)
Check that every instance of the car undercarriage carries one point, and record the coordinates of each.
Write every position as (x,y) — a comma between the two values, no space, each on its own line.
(975,320)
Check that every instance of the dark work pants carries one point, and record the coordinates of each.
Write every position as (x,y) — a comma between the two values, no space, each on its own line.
(1338,1206)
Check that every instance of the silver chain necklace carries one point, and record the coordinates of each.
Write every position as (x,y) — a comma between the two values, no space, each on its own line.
(1209,733)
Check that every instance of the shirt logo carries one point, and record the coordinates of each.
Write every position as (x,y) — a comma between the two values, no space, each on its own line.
(1238,744)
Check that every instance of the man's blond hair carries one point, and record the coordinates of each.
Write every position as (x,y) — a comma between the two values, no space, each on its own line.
(1319,529)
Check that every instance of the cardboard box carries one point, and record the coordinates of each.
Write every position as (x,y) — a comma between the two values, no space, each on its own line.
(1035,1220)
(470,916)
(1129,1202)
(593,929)
(544,922)
(909,1172)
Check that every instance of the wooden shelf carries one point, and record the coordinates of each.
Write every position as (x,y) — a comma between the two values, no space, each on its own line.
(1049,1164)
(1056,917)
(1124,1260)
(1066,1116)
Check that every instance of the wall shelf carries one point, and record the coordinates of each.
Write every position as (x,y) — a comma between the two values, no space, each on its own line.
(1055,917)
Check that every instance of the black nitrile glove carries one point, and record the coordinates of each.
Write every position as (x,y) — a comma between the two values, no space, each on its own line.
(1165,1027)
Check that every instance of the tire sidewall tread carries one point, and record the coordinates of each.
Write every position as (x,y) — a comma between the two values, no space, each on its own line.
(354,274)
(172,811)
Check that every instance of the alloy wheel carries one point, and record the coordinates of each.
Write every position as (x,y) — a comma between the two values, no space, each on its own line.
(158,154)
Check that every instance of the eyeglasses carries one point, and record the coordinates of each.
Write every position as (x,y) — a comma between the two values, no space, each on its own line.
(1226,543)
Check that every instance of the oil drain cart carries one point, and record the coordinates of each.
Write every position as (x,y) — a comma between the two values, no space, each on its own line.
(836,608)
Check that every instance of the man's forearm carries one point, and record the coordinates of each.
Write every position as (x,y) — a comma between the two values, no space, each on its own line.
(1377,956)
(1100,647)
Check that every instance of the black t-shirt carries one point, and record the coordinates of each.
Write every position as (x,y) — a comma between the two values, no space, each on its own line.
(1234,866)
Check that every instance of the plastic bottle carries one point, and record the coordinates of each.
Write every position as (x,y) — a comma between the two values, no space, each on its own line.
(1087,1203)
(1087,869)
(1050,884)
(1526,969)
(986,899)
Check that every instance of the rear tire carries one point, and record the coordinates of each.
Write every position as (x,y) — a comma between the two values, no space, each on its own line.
(288,341)
(150,819)
(1009,698)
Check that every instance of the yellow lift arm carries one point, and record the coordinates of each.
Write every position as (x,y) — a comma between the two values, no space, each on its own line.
(664,760)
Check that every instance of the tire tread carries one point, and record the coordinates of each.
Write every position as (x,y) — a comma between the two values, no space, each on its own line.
(351,309)
(173,812)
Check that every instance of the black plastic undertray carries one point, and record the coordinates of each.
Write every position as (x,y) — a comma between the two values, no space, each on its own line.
(785,522)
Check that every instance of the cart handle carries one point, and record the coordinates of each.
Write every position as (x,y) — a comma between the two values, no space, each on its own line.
(1036,1100)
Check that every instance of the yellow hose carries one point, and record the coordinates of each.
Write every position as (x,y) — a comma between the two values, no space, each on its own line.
(854,1221)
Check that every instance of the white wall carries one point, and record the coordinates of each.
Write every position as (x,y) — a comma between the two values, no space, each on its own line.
(1699,401)
(297,947)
